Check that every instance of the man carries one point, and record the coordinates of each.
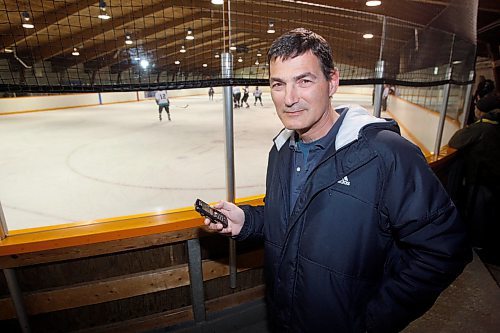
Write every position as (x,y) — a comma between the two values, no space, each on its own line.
(385,96)
(359,234)
(237,96)
(162,102)
(479,146)
(258,96)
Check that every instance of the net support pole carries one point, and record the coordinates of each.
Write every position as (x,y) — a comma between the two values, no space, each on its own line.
(379,88)
(17,299)
(196,280)
(3,224)
(468,99)
(227,72)
(442,112)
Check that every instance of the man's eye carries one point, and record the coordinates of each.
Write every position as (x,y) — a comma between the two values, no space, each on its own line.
(304,82)
(276,85)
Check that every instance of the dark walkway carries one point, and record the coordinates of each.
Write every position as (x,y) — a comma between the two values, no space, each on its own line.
(471,304)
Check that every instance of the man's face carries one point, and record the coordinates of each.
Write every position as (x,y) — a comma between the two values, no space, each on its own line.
(301,93)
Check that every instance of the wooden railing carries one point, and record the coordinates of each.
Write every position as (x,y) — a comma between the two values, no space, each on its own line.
(79,275)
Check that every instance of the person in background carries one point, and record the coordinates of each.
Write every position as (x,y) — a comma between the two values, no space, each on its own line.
(237,96)
(211,94)
(246,92)
(479,147)
(385,96)
(359,234)
(258,96)
(484,88)
(163,102)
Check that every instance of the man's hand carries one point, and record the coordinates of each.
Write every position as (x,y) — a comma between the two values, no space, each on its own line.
(235,219)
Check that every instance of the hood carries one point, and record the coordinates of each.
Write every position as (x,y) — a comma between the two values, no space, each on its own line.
(493,115)
(355,119)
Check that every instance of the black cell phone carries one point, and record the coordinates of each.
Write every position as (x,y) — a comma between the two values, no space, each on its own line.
(214,215)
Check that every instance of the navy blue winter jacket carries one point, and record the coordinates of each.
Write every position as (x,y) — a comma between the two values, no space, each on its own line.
(371,242)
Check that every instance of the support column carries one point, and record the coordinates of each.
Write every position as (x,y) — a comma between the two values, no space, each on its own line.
(379,88)
(467,99)
(227,72)
(3,224)
(442,112)
(196,280)
(17,299)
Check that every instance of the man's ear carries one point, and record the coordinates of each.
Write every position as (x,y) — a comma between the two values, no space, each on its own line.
(334,82)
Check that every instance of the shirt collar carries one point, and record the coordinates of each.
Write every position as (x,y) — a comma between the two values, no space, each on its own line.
(321,143)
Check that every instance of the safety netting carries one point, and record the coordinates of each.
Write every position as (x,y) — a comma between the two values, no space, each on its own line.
(127,45)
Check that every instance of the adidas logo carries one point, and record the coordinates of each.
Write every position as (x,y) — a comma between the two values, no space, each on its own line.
(344,181)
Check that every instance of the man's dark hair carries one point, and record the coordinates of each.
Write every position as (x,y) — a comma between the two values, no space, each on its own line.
(299,41)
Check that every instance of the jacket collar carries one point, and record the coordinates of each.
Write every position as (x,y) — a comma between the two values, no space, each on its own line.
(355,119)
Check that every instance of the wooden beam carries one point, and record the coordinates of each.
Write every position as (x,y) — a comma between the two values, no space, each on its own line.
(121,287)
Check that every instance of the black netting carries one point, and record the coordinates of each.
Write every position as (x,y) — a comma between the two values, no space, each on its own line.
(71,49)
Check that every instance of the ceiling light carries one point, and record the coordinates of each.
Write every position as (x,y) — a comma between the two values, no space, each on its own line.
(240,60)
(368,36)
(26,21)
(144,63)
(233,47)
(217,2)
(205,65)
(8,50)
(128,40)
(259,54)
(257,62)
(75,52)
(190,35)
(183,49)
(102,11)
(137,58)
(217,55)
(373,3)
(270,29)
(177,62)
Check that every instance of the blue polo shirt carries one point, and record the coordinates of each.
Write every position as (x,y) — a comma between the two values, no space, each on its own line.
(306,156)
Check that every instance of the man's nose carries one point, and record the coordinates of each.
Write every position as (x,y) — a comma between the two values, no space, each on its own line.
(291,95)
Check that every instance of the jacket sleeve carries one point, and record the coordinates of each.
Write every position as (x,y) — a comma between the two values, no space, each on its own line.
(428,247)
(254,223)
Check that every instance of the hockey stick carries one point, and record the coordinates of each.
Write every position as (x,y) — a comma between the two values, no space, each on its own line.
(179,106)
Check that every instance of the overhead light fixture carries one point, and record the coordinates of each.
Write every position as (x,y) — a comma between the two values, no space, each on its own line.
(367,36)
(217,2)
(373,3)
(128,40)
(8,50)
(217,55)
(26,20)
(144,63)
(456,62)
(177,62)
(259,54)
(205,65)
(102,11)
(257,62)
(240,60)
(232,47)
(137,58)
(190,35)
(75,52)
(183,49)
(270,29)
